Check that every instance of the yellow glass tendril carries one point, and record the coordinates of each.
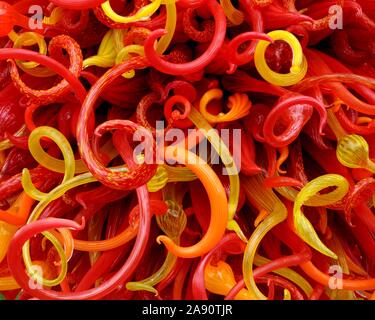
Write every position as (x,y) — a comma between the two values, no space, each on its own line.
(299,62)
(302,225)
(125,54)
(56,15)
(46,160)
(30,39)
(142,14)
(107,52)
(165,174)
(159,180)
(30,267)
(196,117)
(170,26)
(266,199)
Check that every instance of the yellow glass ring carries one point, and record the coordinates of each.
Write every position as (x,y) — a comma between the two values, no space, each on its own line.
(63,264)
(46,160)
(30,39)
(142,14)
(299,62)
